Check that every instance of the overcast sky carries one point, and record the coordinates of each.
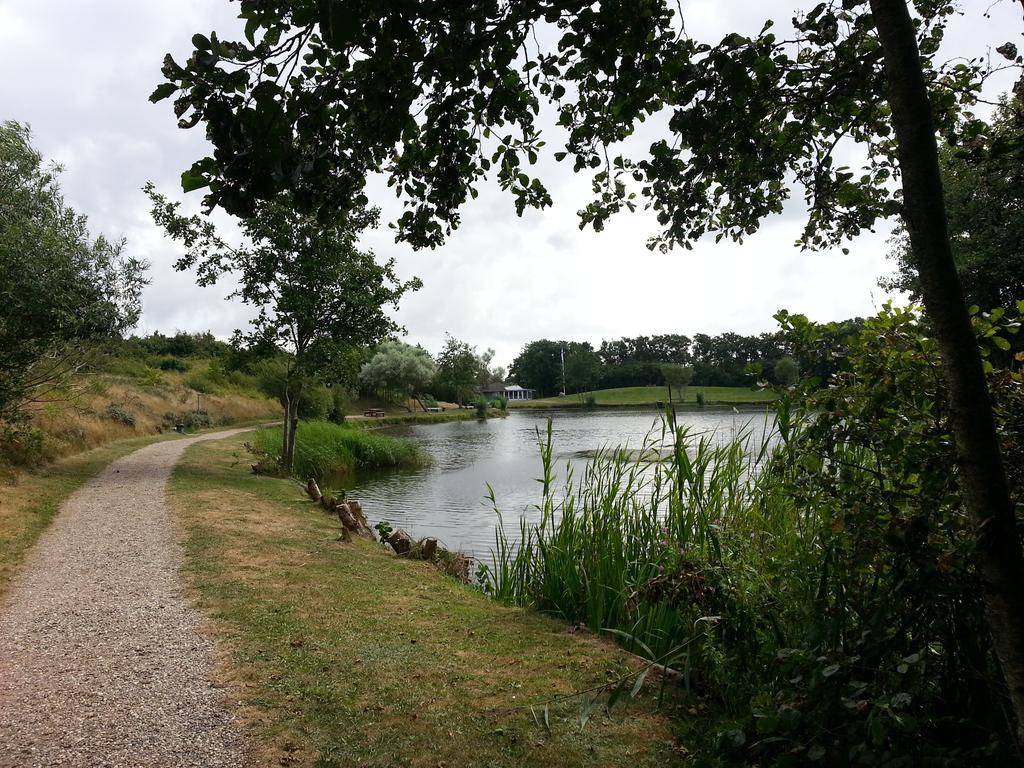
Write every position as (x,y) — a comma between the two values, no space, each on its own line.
(80,72)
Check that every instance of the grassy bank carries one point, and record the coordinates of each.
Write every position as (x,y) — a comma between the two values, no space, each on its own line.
(419,417)
(637,396)
(323,448)
(342,654)
(130,400)
(29,501)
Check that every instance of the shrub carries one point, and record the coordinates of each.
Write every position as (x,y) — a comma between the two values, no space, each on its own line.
(173,364)
(120,414)
(22,445)
(316,402)
(482,407)
(189,419)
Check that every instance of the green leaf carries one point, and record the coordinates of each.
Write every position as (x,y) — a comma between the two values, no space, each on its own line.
(616,693)
(639,683)
(162,91)
(191,181)
(587,708)
(201,42)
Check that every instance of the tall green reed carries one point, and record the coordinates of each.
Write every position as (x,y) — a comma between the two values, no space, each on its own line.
(632,542)
(323,449)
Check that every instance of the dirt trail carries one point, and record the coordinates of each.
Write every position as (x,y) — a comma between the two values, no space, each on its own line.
(101,659)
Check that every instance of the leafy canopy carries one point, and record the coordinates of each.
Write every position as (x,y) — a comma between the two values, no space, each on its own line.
(984,186)
(398,370)
(318,295)
(321,93)
(61,290)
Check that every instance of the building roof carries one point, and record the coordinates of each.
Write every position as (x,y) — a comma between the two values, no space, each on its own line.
(507,388)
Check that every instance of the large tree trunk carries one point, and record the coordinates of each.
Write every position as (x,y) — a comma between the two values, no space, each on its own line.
(286,462)
(292,417)
(981,474)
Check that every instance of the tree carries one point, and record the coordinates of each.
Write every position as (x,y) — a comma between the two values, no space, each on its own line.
(489,375)
(458,369)
(787,371)
(398,370)
(317,294)
(749,119)
(984,189)
(582,368)
(61,291)
(678,377)
(539,367)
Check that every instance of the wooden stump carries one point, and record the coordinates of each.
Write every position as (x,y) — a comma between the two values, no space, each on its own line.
(313,490)
(400,541)
(428,549)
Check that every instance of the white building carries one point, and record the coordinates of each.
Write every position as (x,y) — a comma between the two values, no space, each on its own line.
(510,392)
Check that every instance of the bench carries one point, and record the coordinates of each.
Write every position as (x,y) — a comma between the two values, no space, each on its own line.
(374,412)
(434,409)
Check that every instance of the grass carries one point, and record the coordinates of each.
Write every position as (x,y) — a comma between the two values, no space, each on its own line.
(652,395)
(110,408)
(28,502)
(419,417)
(323,448)
(342,654)
(622,544)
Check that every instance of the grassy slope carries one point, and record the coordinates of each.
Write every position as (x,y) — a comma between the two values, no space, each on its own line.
(652,395)
(72,427)
(28,505)
(345,655)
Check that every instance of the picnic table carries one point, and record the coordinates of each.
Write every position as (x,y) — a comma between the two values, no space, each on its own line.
(373,412)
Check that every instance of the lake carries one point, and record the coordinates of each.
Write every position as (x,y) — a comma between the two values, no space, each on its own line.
(446,498)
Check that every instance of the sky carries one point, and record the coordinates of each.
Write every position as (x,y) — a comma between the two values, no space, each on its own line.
(80,73)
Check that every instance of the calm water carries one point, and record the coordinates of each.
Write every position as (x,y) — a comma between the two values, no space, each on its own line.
(446,498)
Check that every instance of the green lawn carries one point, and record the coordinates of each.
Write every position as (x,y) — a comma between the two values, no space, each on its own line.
(342,654)
(652,395)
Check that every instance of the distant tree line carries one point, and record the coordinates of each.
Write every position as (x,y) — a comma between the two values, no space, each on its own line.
(724,360)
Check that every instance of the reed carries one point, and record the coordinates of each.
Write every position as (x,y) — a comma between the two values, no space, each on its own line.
(653,545)
(323,449)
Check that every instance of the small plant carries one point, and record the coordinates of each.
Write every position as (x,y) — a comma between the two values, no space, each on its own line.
(700,398)
(118,413)
(482,407)
(484,579)
(384,530)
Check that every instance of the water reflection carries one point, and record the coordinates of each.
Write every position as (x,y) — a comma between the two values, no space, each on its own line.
(447,498)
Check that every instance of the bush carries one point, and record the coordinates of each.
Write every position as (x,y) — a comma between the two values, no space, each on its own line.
(482,407)
(173,364)
(22,445)
(189,419)
(120,414)
(316,402)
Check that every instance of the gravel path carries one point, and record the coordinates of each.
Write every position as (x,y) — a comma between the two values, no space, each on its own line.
(101,660)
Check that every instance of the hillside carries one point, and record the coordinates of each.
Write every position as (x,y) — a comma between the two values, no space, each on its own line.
(125,398)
